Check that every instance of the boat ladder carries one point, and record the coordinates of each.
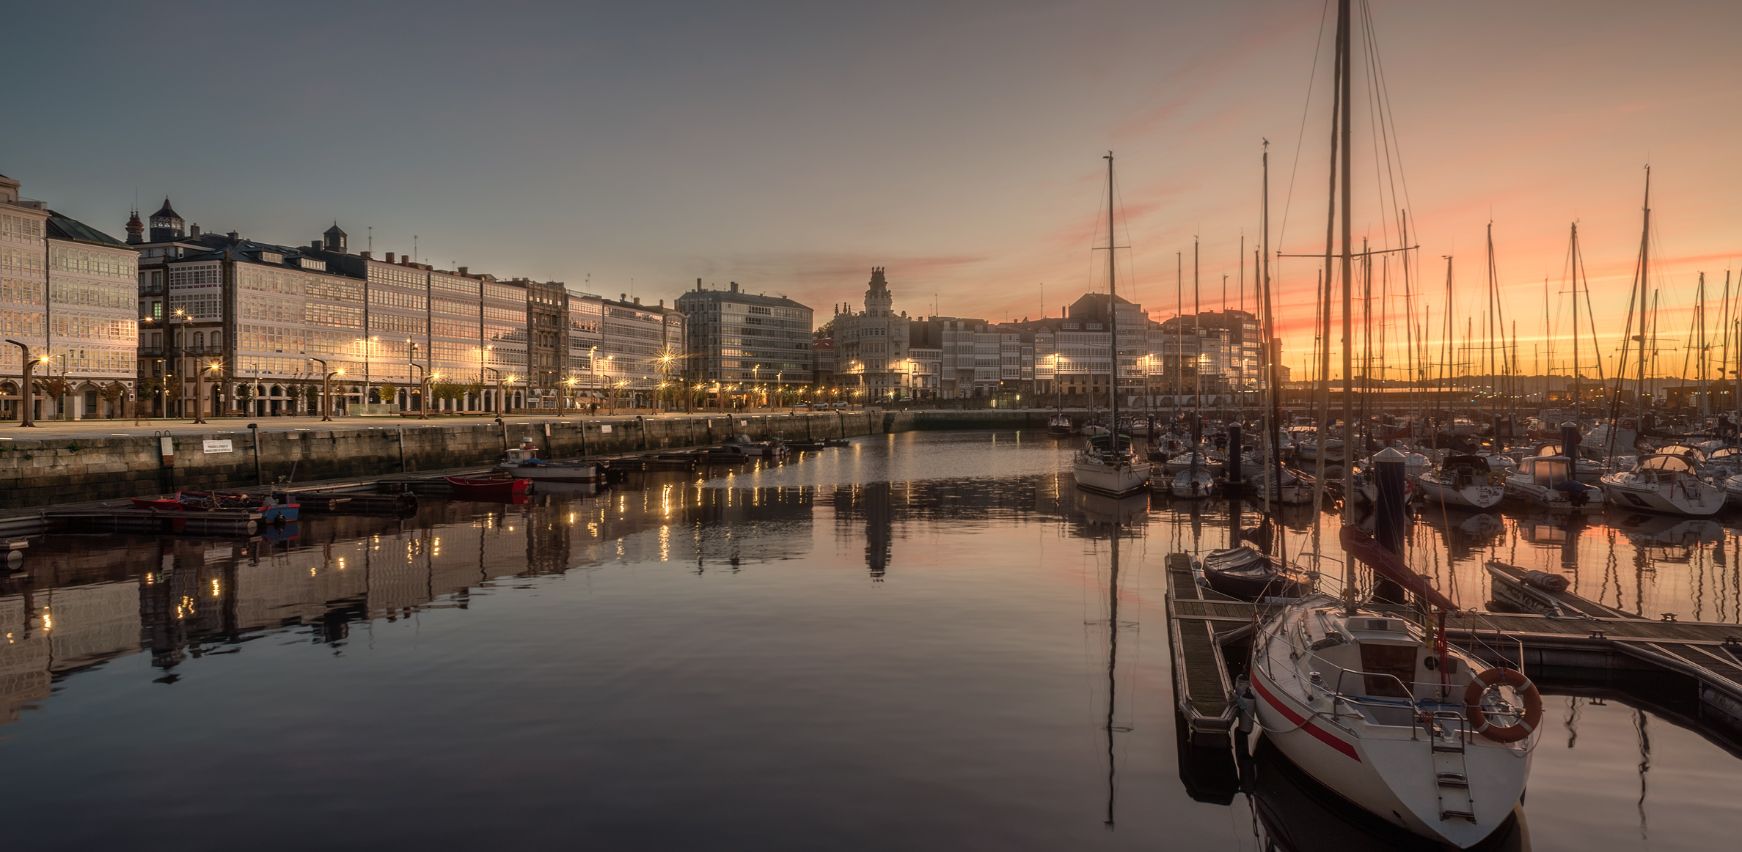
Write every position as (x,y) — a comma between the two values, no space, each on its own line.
(1451,778)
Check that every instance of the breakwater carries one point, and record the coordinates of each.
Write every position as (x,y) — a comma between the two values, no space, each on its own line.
(95,467)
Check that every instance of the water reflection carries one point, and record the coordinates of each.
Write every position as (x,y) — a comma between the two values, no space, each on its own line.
(940,627)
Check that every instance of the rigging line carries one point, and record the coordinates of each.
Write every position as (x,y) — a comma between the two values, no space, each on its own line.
(1300,135)
(1385,94)
(1374,128)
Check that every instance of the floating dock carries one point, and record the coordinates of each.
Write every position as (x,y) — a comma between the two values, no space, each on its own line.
(132,519)
(1585,646)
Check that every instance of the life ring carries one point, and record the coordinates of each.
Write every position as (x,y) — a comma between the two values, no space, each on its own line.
(1490,678)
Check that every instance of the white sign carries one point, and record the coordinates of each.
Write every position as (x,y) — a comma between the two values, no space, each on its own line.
(222,446)
(604,428)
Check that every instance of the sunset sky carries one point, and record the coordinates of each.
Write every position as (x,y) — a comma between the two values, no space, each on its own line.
(634,147)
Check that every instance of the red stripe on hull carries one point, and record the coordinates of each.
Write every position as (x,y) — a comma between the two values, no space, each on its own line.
(1319,733)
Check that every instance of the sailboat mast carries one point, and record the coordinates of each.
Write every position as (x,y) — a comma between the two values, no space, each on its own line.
(1112,311)
(1644,295)
(1346,109)
(1197,332)
(1272,437)
(1577,396)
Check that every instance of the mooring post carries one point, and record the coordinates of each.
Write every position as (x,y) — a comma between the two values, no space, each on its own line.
(1232,468)
(254,443)
(1389,520)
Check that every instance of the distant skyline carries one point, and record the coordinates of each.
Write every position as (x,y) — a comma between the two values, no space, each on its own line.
(632,148)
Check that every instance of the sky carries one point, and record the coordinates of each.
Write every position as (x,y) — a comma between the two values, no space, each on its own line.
(636,147)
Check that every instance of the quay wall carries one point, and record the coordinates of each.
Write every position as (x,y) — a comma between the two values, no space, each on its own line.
(991,418)
(72,469)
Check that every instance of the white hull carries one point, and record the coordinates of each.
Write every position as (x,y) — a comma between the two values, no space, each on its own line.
(1481,496)
(1187,487)
(1688,498)
(1390,770)
(1525,490)
(1117,479)
(555,472)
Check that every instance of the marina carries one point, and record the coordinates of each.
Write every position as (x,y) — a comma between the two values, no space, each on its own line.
(877,542)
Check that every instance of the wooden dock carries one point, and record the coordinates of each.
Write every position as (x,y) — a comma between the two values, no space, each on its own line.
(133,519)
(1587,646)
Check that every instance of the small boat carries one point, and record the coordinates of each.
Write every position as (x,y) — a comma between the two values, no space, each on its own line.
(741,449)
(523,462)
(804,446)
(492,488)
(1664,483)
(1462,480)
(1549,482)
(1059,426)
(1106,466)
(171,502)
(274,508)
(836,442)
(1191,484)
(1245,573)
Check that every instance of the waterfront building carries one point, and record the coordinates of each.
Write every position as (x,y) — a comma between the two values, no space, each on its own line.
(871,345)
(1071,364)
(737,338)
(66,292)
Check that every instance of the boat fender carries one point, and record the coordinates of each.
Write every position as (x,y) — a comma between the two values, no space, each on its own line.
(1479,686)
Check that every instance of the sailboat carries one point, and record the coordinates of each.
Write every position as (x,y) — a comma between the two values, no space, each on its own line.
(1378,708)
(1107,463)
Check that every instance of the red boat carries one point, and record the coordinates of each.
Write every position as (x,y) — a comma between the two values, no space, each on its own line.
(171,502)
(496,489)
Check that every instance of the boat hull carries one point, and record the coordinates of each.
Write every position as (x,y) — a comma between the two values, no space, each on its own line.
(1116,480)
(1389,777)
(1477,496)
(1695,500)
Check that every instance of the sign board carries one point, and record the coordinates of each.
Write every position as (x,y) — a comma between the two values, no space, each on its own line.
(220,446)
(604,428)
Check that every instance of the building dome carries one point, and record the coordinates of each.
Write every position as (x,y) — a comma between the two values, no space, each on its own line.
(166,224)
(336,238)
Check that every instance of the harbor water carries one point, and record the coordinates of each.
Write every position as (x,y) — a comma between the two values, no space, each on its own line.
(917,641)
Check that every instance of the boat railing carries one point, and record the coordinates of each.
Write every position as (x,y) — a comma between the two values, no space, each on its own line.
(1406,709)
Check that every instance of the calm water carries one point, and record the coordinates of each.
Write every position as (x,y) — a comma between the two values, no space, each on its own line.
(907,643)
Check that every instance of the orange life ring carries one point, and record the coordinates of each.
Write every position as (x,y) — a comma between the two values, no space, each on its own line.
(1479,718)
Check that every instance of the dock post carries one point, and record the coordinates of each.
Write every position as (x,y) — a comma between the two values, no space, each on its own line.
(1389,520)
(1231,471)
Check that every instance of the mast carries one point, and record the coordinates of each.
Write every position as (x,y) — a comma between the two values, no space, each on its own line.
(1179,320)
(1577,397)
(1197,332)
(1343,100)
(1271,435)
(1644,295)
(1112,311)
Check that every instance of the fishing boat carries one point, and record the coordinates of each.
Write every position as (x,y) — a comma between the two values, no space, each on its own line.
(489,487)
(523,462)
(1246,573)
(1059,426)
(1664,483)
(1550,482)
(1464,481)
(275,508)
(1107,463)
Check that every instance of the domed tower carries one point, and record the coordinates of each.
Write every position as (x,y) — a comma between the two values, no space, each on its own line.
(878,301)
(135,229)
(166,224)
(336,238)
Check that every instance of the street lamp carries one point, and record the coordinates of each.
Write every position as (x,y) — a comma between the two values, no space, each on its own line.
(27,394)
(200,389)
(327,388)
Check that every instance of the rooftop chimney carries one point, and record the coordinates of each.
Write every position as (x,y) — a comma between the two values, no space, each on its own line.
(194,230)
(390,257)
(365,255)
(698,283)
(734,286)
(317,245)
(465,270)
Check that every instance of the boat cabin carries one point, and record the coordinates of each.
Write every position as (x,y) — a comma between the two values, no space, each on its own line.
(1380,666)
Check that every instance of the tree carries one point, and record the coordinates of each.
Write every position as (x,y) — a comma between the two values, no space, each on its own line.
(113,393)
(56,388)
(311,395)
(389,392)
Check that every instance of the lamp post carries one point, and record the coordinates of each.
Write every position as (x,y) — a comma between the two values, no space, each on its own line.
(498,388)
(327,388)
(27,393)
(200,390)
(422,380)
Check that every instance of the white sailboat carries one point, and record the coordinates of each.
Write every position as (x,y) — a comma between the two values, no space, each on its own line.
(1666,483)
(1108,464)
(1462,481)
(1400,724)
(1377,708)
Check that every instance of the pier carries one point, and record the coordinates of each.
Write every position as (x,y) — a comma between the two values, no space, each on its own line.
(1688,669)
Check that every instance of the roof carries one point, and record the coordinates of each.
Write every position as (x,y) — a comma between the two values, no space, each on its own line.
(335,231)
(66,228)
(738,296)
(166,210)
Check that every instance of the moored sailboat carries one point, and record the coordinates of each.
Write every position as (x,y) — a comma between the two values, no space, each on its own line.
(1108,463)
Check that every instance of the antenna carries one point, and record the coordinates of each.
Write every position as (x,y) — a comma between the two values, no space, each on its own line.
(371,230)
(413,248)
